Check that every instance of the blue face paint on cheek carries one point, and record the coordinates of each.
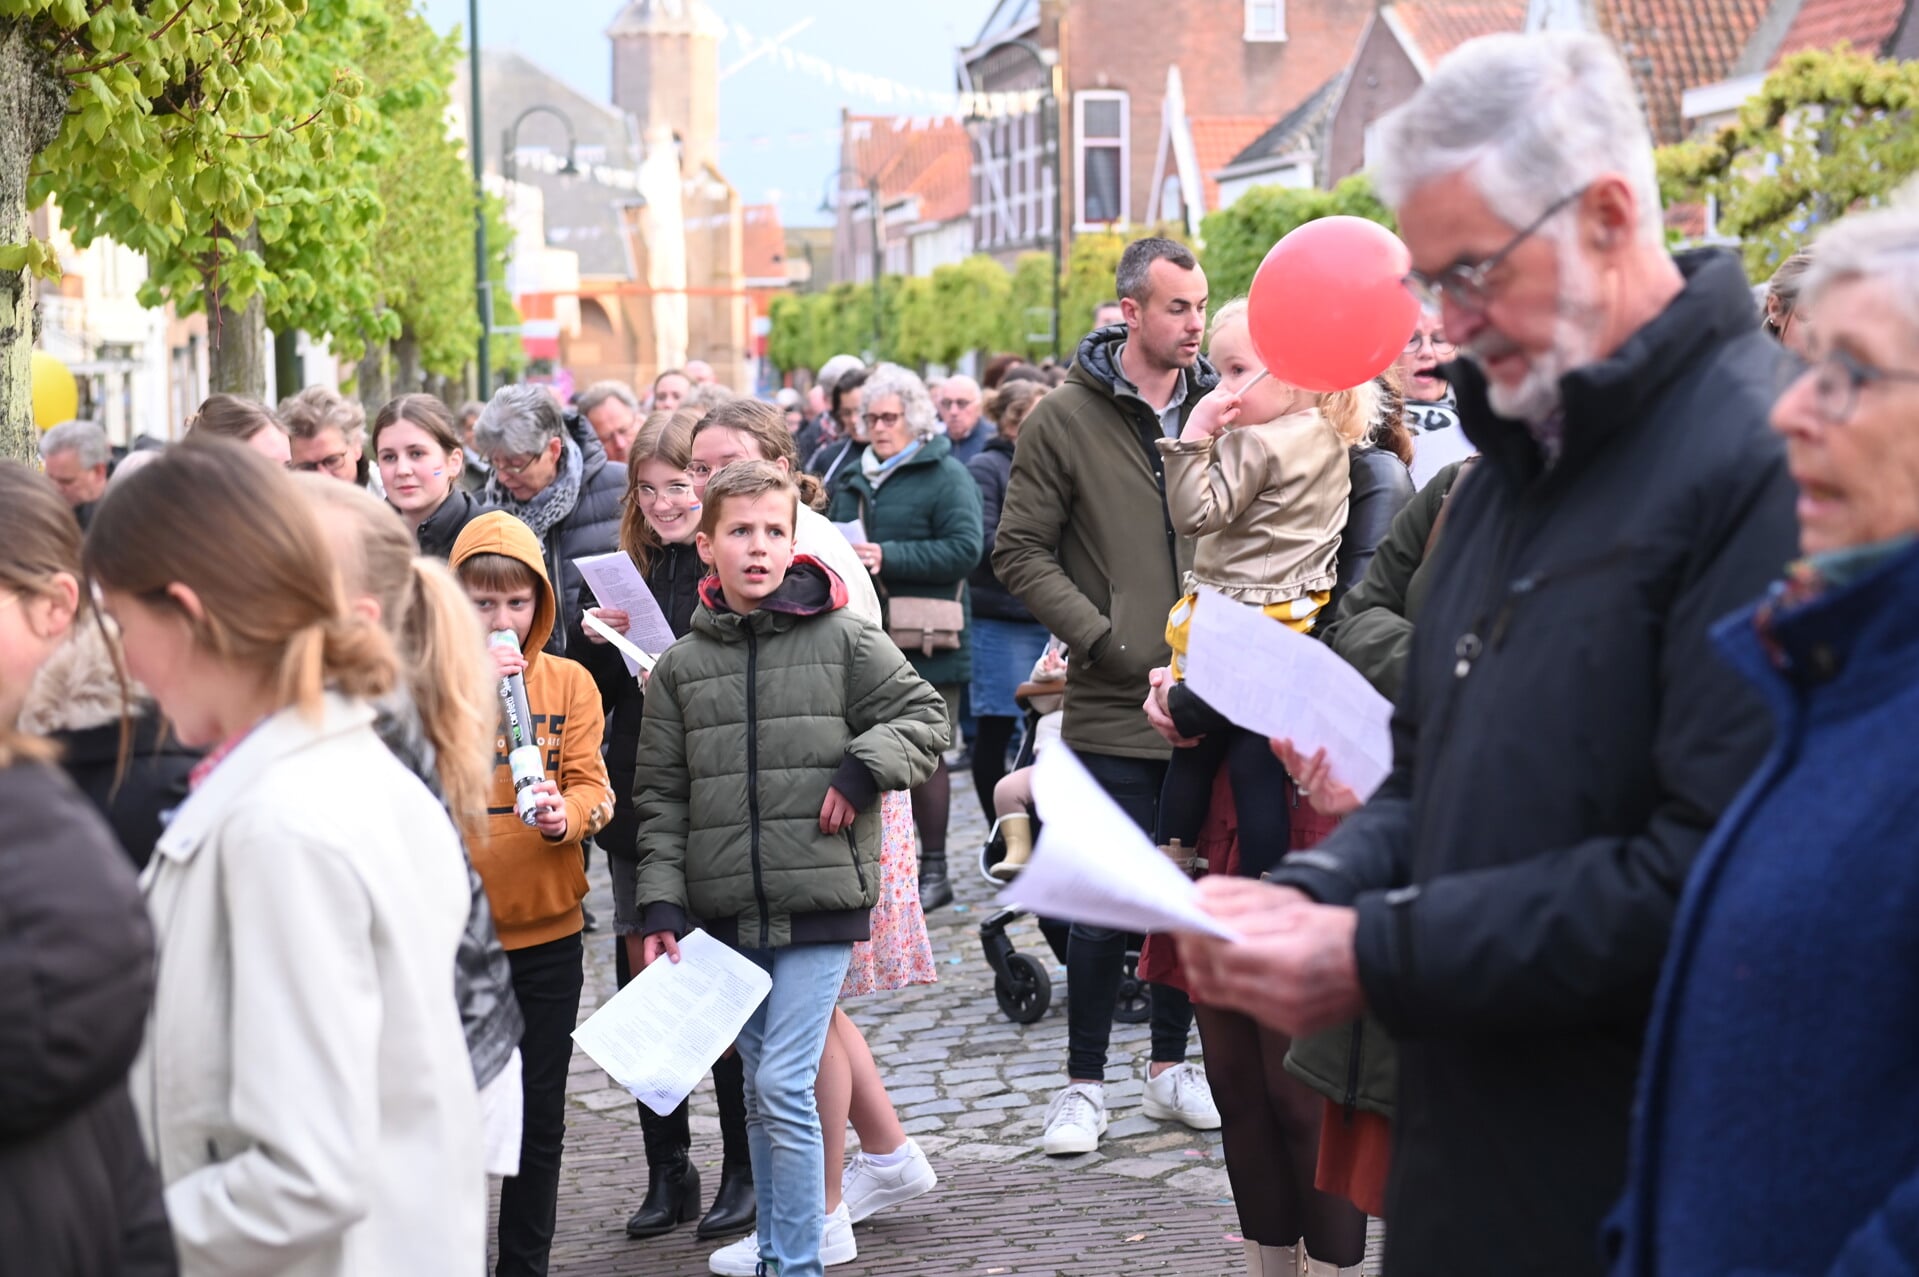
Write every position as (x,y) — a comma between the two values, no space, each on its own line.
(438,473)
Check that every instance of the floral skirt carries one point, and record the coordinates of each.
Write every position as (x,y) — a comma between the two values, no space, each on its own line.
(899,953)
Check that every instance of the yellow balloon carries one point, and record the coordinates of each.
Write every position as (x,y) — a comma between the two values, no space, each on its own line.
(56,396)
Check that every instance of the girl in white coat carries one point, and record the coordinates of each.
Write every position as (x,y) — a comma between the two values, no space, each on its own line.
(304,1087)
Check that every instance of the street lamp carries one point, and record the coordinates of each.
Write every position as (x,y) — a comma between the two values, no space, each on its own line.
(510,141)
(482,286)
(872,186)
(1048,61)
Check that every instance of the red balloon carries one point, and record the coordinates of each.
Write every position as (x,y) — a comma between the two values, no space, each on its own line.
(1329,307)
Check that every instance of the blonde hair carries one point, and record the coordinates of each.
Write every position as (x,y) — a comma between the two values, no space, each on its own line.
(667,437)
(230,526)
(745,479)
(425,611)
(1349,412)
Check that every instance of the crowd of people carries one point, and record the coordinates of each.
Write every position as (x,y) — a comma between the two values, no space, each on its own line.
(1582,988)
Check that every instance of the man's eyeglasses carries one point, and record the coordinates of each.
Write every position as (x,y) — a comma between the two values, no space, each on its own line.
(334,463)
(887,419)
(950,404)
(1469,285)
(1837,380)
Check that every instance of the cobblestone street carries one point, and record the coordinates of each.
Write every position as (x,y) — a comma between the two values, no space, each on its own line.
(972,1087)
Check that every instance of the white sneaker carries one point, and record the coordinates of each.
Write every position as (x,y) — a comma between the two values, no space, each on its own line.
(742,1258)
(866,1188)
(1180,1094)
(1075,1120)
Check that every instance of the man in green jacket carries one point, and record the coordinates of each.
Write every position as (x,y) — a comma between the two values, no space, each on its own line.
(1086,543)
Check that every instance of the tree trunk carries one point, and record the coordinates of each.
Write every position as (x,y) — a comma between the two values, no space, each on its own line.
(237,339)
(371,378)
(33,99)
(407,377)
(289,369)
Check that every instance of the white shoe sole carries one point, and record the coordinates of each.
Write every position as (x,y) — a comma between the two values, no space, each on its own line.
(1167,1113)
(831,1255)
(1069,1143)
(845,1253)
(894,1195)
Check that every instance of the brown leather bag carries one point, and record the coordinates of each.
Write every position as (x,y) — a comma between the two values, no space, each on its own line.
(925,625)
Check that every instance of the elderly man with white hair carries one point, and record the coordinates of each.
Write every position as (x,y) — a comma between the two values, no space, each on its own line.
(959,402)
(76,456)
(1565,737)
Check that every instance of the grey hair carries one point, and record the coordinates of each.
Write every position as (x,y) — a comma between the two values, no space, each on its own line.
(915,403)
(706,396)
(1880,244)
(1530,119)
(835,368)
(132,464)
(601,391)
(85,439)
(518,421)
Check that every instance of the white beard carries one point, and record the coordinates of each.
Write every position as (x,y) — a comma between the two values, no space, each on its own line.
(1536,397)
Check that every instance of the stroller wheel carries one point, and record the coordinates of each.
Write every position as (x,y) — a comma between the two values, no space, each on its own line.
(1132,1005)
(1025,991)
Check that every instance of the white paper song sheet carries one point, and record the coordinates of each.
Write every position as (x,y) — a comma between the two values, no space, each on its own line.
(616,583)
(1434,450)
(1094,865)
(659,1035)
(854,530)
(636,660)
(1279,683)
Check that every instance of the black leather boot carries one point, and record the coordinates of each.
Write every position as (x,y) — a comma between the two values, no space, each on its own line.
(935,891)
(672,1181)
(736,1207)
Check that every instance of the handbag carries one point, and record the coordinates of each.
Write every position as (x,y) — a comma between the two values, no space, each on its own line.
(926,625)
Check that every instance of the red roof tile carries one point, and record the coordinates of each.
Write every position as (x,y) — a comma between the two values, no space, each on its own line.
(1821,24)
(762,242)
(1216,140)
(1674,45)
(1440,26)
(930,159)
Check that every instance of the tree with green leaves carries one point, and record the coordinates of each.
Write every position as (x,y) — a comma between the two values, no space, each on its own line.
(143,116)
(1828,132)
(1027,320)
(1239,236)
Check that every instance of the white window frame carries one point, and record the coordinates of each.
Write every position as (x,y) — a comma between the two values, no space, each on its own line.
(1253,34)
(1080,147)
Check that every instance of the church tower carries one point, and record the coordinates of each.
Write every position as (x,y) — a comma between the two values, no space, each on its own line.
(666,72)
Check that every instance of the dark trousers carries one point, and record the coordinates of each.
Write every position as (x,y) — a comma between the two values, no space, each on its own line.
(1096,956)
(1259,796)
(546,979)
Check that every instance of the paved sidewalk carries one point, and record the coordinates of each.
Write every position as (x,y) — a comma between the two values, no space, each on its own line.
(972,1087)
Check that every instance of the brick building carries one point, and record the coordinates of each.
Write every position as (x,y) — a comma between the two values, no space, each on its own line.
(1883,28)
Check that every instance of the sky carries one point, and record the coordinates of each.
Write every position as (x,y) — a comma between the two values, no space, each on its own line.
(778,127)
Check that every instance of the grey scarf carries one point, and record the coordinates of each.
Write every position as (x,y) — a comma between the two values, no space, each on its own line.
(551,504)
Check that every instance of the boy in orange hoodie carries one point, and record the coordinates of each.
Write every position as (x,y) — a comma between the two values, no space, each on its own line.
(533,875)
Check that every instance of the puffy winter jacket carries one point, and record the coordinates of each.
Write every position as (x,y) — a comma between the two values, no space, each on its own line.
(439,530)
(990,470)
(749,719)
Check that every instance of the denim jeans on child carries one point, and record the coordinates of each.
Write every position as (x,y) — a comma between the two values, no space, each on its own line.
(781,1046)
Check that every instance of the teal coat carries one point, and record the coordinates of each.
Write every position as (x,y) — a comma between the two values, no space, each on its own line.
(926,520)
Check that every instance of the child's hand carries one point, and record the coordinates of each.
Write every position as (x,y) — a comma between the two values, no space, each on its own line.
(836,813)
(612,618)
(1216,412)
(1314,776)
(550,814)
(507,661)
(657,943)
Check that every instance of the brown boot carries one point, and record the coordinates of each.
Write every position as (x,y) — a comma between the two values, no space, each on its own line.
(1017,830)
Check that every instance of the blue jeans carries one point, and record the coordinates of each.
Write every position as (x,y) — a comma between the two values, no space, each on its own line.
(781,1047)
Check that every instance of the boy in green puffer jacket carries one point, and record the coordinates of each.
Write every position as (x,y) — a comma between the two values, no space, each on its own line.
(770,732)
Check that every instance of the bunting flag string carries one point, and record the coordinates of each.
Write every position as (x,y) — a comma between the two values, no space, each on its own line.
(911,99)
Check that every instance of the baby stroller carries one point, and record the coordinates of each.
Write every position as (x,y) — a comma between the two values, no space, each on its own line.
(1021,984)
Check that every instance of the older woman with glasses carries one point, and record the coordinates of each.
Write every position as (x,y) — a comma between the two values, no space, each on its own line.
(1777,1127)
(921,512)
(551,473)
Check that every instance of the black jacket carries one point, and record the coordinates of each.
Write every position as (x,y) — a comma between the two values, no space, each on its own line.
(830,461)
(991,469)
(1565,739)
(78,1197)
(592,528)
(675,582)
(1382,485)
(439,530)
(155,781)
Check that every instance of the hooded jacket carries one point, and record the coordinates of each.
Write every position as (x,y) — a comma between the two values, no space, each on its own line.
(439,530)
(1564,740)
(990,470)
(749,719)
(536,883)
(1086,542)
